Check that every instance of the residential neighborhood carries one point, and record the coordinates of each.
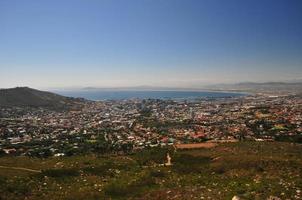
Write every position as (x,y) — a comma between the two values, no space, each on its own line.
(123,126)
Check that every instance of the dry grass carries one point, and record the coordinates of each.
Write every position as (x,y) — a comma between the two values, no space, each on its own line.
(196,145)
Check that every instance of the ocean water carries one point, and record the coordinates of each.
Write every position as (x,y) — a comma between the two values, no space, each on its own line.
(121,95)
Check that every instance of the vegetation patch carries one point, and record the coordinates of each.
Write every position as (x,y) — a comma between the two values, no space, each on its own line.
(186,163)
(270,169)
(121,188)
(60,173)
(151,156)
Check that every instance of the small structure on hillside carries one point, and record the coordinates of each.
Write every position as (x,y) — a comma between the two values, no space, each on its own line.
(168,163)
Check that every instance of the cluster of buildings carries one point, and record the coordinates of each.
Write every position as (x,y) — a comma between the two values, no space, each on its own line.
(120,126)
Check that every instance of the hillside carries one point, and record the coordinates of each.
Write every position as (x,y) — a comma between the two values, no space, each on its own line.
(270,171)
(28,97)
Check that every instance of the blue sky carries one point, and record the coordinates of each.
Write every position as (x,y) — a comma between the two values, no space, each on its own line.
(179,43)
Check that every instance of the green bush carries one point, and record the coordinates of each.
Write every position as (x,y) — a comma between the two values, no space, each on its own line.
(157,173)
(101,170)
(185,163)
(121,188)
(117,188)
(18,187)
(150,156)
(144,181)
(60,173)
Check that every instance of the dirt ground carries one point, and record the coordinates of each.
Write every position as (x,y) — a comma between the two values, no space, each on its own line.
(196,145)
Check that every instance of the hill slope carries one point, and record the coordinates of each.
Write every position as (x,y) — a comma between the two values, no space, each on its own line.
(28,97)
(250,170)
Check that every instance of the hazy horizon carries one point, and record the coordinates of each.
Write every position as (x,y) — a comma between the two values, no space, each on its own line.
(183,44)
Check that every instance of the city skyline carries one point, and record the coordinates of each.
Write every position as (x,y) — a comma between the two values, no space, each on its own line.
(64,44)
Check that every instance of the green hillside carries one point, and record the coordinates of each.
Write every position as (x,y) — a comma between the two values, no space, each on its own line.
(249,170)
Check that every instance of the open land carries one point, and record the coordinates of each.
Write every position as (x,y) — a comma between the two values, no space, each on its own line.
(251,170)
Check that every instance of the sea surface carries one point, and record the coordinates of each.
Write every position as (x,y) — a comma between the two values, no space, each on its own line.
(121,95)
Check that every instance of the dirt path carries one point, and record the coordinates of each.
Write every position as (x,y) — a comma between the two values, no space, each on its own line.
(21,168)
(196,145)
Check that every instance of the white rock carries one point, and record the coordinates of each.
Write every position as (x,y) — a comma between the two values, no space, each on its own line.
(236,198)
(273,198)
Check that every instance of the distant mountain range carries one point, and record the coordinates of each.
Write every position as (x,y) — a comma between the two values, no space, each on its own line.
(28,97)
(260,87)
(244,87)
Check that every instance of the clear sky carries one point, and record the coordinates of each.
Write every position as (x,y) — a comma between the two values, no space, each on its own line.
(182,43)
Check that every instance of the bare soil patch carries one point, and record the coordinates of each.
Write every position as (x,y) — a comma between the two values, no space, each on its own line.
(196,145)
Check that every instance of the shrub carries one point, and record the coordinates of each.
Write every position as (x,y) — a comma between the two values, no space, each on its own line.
(122,188)
(185,163)
(101,170)
(117,189)
(17,186)
(60,173)
(157,173)
(151,155)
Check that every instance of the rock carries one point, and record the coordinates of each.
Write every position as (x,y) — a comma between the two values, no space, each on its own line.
(236,198)
(273,198)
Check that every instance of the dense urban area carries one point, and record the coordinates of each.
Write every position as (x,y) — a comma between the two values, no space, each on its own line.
(236,147)
(123,126)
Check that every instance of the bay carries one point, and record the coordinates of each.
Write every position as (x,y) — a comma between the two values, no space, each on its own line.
(122,94)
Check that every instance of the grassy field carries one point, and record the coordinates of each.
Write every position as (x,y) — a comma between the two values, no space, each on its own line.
(247,169)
